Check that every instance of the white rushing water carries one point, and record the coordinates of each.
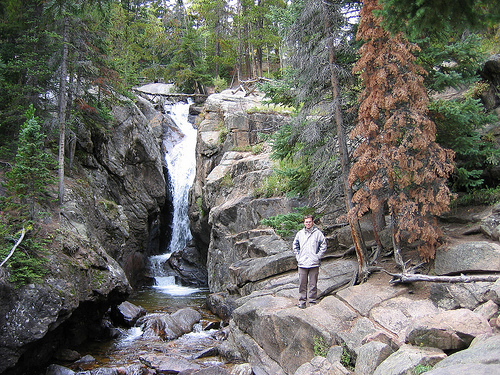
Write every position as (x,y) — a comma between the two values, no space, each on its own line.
(181,165)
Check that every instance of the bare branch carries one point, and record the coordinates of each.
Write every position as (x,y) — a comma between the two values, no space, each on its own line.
(23,232)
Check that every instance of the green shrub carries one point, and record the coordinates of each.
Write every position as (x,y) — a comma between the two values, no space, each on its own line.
(420,369)
(459,125)
(27,264)
(320,347)
(219,83)
(288,224)
(227,181)
(346,359)
(290,178)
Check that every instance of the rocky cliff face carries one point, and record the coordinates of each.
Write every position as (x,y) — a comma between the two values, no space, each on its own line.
(223,212)
(371,328)
(113,218)
(123,204)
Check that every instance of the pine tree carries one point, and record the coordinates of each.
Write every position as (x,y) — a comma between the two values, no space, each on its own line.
(398,162)
(31,175)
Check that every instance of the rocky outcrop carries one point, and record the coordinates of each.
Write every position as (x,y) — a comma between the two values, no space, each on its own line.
(123,204)
(379,328)
(63,311)
(114,213)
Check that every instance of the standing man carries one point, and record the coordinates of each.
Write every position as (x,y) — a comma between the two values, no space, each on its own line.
(309,245)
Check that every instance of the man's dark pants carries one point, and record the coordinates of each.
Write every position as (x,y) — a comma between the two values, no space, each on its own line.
(308,280)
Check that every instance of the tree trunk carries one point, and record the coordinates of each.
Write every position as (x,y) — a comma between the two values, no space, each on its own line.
(359,244)
(398,258)
(62,107)
(378,223)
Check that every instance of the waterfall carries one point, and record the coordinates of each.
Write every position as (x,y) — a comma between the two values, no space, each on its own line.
(181,165)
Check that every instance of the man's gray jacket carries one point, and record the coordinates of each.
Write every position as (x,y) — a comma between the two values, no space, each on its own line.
(309,246)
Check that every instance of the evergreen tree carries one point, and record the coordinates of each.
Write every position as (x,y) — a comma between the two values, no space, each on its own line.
(398,162)
(30,178)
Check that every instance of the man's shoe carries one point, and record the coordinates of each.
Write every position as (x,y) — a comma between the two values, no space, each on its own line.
(301,305)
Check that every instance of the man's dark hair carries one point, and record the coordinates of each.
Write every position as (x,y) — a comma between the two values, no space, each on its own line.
(309,217)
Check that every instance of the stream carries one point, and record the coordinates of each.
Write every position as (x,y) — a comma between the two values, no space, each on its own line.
(166,296)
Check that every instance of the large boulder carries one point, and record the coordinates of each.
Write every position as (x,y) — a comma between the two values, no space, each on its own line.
(481,358)
(36,318)
(321,366)
(480,256)
(286,333)
(407,358)
(169,326)
(453,329)
(397,314)
(460,295)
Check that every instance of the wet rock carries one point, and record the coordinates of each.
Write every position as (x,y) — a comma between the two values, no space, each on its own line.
(221,304)
(407,358)
(481,358)
(59,370)
(67,355)
(190,267)
(454,329)
(210,352)
(127,313)
(169,327)
(479,256)
(213,370)
(163,364)
(186,318)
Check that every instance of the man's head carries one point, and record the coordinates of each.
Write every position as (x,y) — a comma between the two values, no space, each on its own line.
(308,221)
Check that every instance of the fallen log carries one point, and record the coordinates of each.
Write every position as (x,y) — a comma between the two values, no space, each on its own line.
(398,278)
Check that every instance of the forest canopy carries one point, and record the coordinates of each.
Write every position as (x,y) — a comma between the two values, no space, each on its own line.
(67,60)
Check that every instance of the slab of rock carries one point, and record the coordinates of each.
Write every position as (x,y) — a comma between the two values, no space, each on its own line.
(396,314)
(212,370)
(186,318)
(481,358)
(362,328)
(127,313)
(286,333)
(365,296)
(163,364)
(321,366)
(370,356)
(242,347)
(407,357)
(487,310)
(466,257)
(169,327)
(461,295)
(59,370)
(494,292)
(453,329)
(255,269)
(242,369)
